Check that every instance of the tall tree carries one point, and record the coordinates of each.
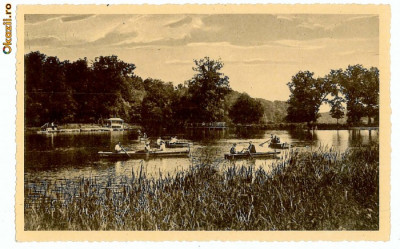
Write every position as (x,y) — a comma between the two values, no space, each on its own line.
(62,106)
(35,98)
(156,106)
(207,90)
(307,95)
(246,110)
(110,84)
(351,84)
(337,109)
(77,75)
(370,94)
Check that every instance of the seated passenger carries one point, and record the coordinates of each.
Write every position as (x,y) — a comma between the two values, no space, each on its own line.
(173,140)
(251,148)
(118,147)
(147,147)
(159,140)
(162,146)
(233,149)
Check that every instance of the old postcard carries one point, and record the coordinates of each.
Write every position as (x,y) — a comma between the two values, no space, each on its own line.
(203,122)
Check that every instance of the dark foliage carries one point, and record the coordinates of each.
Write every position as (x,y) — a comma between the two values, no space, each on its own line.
(357,87)
(246,110)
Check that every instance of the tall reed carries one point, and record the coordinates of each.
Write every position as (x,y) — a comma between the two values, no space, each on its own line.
(318,190)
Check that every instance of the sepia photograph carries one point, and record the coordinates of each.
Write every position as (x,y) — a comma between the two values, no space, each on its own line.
(203,118)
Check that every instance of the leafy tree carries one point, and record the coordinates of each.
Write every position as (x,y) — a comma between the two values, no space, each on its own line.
(61,105)
(246,110)
(351,87)
(307,95)
(110,85)
(370,93)
(77,76)
(337,109)
(207,90)
(35,97)
(156,106)
(183,108)
(360,88)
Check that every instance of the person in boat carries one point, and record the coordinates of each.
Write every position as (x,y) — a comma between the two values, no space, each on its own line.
(147,147)
(159,141)
(162,146)
(251,148)
(118,147)
(233,149)
(144,135)
(173,140)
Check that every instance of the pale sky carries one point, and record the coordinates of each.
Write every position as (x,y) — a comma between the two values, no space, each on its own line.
(260,52)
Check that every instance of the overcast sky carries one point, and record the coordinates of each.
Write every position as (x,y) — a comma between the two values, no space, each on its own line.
(260,52)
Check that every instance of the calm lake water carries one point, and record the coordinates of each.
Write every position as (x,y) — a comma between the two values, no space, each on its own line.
(67,156)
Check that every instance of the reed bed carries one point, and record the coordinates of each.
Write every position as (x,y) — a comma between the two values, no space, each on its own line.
(312,190)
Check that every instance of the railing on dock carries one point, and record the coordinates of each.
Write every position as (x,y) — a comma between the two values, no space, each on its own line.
(207,125)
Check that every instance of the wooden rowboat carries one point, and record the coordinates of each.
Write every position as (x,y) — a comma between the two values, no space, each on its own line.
(142,139)
(177,144)
(142,154)
(252,155)
(281,146)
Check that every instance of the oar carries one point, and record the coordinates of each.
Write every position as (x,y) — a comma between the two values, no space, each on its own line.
(125,151)
(264,142)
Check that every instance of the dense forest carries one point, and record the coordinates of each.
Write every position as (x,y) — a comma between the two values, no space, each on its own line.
(85,91)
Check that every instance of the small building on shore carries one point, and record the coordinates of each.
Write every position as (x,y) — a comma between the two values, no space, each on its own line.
(115,123)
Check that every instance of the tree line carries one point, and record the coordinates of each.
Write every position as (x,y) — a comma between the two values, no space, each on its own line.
(353,91)
(85,91)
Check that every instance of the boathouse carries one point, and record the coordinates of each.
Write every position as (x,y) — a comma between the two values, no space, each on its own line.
(115,123)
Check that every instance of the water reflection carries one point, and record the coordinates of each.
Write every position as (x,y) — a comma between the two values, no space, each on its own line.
(73,155)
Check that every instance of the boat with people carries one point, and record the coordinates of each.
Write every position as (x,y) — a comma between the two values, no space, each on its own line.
(281,146)
(168,144)
(175,143)
(247,155)
(275,143)
(142,139)
(142,154)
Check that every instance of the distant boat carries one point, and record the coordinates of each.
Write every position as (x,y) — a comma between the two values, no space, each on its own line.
(252,155)
(281,146)
(48,128)
(177,144)
(48,131)
(142,139)
(142,154)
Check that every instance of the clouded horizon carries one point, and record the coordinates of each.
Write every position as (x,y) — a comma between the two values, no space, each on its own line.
(261,52)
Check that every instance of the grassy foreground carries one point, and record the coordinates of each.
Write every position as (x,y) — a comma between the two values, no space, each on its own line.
(322,190)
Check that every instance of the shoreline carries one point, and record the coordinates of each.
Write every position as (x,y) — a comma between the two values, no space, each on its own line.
(274,126)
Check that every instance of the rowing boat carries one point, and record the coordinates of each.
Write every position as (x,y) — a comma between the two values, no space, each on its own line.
(142,139)
(177,144)
(281,146)
(252,155)
(142,154)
